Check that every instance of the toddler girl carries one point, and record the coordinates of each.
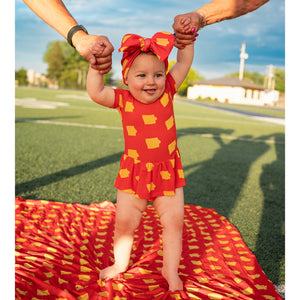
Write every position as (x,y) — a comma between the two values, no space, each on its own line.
(150,168)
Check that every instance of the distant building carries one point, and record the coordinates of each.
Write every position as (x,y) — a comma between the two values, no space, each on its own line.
(233,90)
(38,79)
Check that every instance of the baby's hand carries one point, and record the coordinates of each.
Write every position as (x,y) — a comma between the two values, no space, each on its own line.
(97,49)
(185,24)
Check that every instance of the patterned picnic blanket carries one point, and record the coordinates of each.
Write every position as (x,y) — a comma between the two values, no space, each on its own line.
(61,247)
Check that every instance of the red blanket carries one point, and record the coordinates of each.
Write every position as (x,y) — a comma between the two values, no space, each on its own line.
(61,247)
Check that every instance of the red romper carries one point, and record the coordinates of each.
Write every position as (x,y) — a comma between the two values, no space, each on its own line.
(150,166)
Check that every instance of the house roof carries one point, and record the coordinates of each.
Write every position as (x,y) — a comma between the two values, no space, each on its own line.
(230,81)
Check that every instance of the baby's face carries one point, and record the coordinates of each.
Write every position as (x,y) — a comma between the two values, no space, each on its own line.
(146,78)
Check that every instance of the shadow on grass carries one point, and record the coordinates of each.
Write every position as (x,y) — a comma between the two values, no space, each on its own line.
(24,187)
(217,183)
(270,241)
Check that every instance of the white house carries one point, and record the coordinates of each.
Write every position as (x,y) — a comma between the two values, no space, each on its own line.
(233,90)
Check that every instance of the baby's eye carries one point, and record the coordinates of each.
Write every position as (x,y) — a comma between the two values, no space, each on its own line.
(158,75)
(141,75)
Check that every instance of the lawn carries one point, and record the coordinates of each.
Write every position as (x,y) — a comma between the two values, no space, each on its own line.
(69,150)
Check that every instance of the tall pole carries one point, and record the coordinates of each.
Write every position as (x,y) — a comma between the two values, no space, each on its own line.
(271,80)
(243,56)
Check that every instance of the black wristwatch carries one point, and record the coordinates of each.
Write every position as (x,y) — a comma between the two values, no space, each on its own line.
(72,31)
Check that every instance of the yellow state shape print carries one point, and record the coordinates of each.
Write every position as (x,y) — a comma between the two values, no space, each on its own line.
(172,147)
(212,258)
(61,281)
(129,107)
(148,281)
(133,154)
(153,287)
(151,186)
(153,143)
(162,41)
(43,293)
(83,297)
(23,293)
(149,119)
(261,287)
(83,261)
(164,100)
(48,265)
(170,123)
(69,256)
(124,173)
(215,296)
(169,193)
(254,276)
(49,274)
(103,294)
(231,263)
(125,61)
(84,277)
(131,130)
(48,256)
(198,270)
(117,286)
(126,71)
(85,269)
(180,173)
(243,258)
(120,100)
(165,175)
(149,166)
(247,291)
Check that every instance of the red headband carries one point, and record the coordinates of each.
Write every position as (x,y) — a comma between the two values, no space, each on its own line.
(132,45)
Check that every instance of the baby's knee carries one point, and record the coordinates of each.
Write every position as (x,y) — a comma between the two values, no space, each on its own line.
(172,219)
(127,223)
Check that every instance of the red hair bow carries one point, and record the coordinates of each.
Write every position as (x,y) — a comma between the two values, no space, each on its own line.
(132,45)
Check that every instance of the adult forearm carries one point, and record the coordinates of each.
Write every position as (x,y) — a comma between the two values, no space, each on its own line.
(54,13)
(219,10)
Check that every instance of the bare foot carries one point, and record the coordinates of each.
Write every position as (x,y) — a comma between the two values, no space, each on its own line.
(174,281)
(111,272)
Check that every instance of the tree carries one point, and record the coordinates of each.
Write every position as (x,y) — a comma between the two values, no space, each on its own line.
(279,75)
(67,67)
(21,76)
(192,76)
(55,59)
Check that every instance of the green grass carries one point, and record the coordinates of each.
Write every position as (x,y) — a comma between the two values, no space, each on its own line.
(232,163)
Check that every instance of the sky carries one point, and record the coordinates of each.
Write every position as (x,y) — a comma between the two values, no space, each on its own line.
(217,48)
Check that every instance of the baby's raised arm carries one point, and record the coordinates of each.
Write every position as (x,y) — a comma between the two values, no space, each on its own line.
(184,61)
(99,93)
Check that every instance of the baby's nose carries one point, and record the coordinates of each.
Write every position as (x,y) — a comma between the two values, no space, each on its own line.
(151,80)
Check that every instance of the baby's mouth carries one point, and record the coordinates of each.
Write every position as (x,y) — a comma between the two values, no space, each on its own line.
(150,91)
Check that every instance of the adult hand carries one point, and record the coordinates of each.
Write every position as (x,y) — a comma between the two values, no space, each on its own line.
(185,27)
(84,43)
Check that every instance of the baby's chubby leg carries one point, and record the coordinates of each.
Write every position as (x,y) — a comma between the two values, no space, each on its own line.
(128,216)
(171,213)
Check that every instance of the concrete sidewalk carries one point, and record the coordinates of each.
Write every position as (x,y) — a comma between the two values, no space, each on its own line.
(252,115)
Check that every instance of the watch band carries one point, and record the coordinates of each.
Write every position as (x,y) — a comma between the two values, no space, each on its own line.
(72,31)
